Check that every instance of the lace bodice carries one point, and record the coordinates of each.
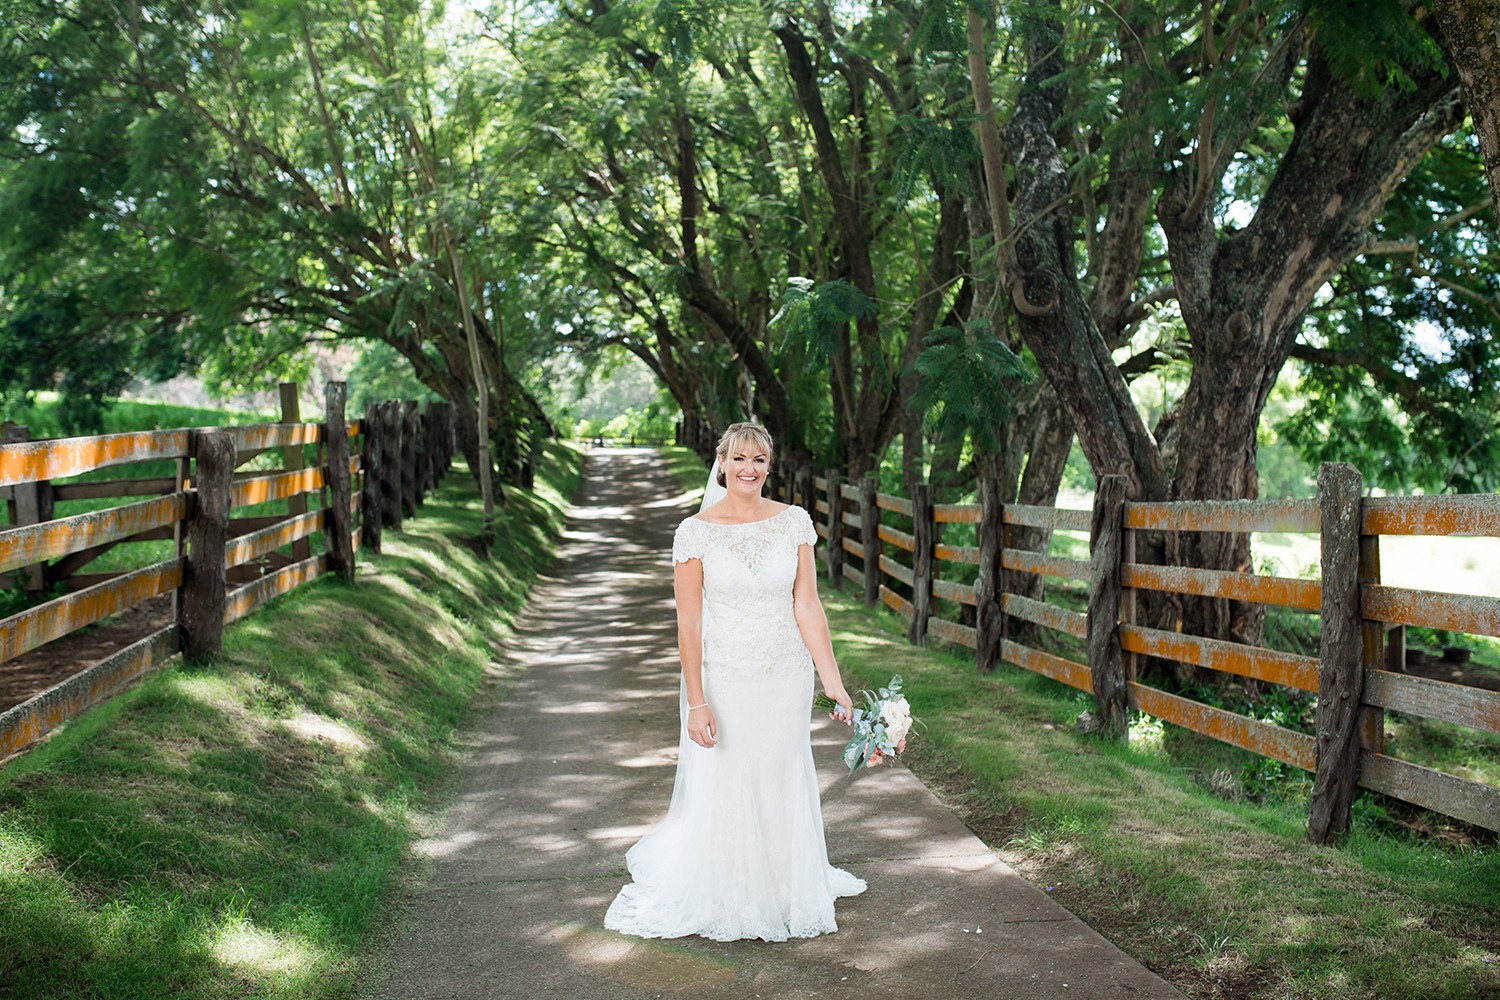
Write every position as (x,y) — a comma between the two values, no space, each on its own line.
(748,573)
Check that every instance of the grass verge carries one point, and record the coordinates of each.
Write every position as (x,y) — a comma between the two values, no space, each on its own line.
(230,829)
(1224,899)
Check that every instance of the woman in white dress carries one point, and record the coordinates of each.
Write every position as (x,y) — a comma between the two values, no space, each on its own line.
(741,852)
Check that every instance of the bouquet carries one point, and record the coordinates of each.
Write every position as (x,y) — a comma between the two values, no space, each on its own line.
(880,728)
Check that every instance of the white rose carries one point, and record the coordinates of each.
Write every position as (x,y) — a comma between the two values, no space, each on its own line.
(896,714)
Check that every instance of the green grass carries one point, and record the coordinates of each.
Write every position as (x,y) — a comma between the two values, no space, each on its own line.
(1188,854)
(1221,897)
(41,416)
(230,829)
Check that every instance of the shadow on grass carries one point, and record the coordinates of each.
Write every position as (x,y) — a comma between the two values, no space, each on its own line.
(231,828)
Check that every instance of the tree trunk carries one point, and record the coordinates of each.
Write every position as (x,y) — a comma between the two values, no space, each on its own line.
(1471,29)
(1053,318)
(1243,296)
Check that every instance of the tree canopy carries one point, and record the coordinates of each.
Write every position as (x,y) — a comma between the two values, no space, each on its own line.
(960,227)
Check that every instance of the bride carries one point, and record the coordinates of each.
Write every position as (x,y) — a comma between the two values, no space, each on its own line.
(741,851)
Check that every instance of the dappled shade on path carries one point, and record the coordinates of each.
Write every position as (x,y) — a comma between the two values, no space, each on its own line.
(577,762)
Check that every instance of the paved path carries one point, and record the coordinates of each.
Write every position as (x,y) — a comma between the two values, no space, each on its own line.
(577,763)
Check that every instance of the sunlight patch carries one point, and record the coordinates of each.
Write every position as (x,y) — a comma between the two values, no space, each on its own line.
(244,946)
(312,726)
(643,964)
(1148,734)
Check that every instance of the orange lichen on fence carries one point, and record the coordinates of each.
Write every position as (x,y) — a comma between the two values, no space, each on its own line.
(29,721)
(39,625)
(261,437)
(957,513)
(961,635)
(891,567)
(1428,609)
(1048,665)
(897,603)
(1224,515)
(956,553)
(1268,740)
(900,539)
(241,602)
(276,486)
(1271,665)
(1074,623)
(1283,591)
(1030,562)
(1470,514)
(37,543)
(946,590)
(257,543)
(30,461)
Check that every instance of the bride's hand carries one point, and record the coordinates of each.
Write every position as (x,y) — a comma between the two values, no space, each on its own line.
(845,711)
(702,728)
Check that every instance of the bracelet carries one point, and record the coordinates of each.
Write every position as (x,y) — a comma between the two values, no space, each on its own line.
(692,707)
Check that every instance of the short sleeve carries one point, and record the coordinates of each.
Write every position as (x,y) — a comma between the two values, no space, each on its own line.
(688,542)
(802,528)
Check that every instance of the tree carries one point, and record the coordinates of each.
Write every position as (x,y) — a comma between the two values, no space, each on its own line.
(1242,289)
(241,218)
(1471,29)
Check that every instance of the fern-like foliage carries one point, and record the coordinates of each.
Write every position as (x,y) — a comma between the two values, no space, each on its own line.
(1372,44)
(943,151)
(813,314)
(966,377)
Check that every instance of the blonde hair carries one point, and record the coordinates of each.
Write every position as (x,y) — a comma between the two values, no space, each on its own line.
(740,434)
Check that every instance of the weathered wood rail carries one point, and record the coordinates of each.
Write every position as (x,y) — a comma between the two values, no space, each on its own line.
(1358,673)
(222,566)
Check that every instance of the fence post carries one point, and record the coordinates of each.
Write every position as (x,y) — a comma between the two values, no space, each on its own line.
(808,490)
(390,481)
(921,563)
(292,459)
(989,585)
(203,577)
(374,468)
(411,496)
(1340,670)
(30,503)
(425,463)
(869,533)
(340,537)
(835,529)
(1111,706)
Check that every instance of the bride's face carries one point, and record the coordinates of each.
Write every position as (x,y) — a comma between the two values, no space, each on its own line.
(745,470)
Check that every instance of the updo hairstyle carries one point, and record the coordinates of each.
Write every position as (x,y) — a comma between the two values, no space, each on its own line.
(739,435)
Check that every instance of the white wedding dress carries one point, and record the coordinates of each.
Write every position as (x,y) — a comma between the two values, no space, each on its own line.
(741,852)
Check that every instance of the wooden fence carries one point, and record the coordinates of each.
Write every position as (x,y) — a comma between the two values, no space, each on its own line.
(1357,674)
(222,566)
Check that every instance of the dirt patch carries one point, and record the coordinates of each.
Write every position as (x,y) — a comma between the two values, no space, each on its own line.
(29,674)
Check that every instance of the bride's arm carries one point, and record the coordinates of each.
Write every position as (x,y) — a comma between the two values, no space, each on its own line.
(687,586)
(813,624)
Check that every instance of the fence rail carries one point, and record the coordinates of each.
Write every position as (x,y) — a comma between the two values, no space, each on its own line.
(364,475)
(1358,673)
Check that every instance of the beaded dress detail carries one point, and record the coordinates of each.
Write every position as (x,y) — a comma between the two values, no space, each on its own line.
(741,852)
